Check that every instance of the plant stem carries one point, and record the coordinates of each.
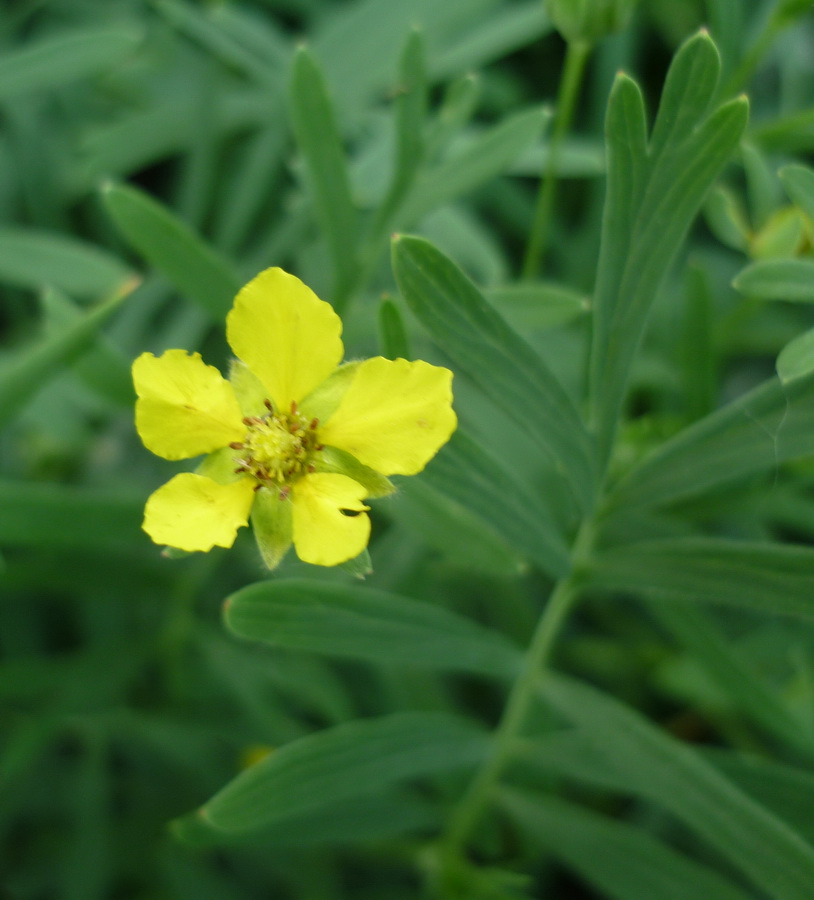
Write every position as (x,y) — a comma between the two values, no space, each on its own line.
(549,627)
(573,70)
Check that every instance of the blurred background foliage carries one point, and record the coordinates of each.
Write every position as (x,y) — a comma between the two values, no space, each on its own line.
(155,156)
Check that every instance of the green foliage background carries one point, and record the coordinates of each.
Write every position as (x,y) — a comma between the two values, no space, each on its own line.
(583,664)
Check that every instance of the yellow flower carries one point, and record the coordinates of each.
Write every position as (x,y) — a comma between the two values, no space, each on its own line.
(294,439)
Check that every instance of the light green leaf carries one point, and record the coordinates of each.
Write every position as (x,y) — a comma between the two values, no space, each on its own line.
(467,474)
(653,196)
(484,158)
(799,184)
(675,777)
(776,579)
(619,860)
(796,359)
(359,758)
(758,432)
(360,623)
(169,245)
(34,366)
(35,259)
(778,279)
(480,342)
(56,61)
(103,367)
(506,29)
(532,306)
(315,128)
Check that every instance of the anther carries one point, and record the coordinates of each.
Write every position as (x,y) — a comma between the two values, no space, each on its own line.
(293,407)
(311,469)
(248,421)
(257,487)
(319,447)
(268,404)
(237,445)
(314,423)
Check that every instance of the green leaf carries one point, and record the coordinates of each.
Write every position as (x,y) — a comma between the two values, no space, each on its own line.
(653,196)
(32,258)
(495,357)
(169,245)
(360,623)
(758,432)
(771,578)
(378,817)
(619,860)
(45,514)
(796,359)
(393,340)
(355,759)
(799,184)
(53,62)
(778,279)
(468,475)
(454,531)
(484,158)
(675,777)
(103,367)
(695,629)
(33,367)
(786,790)
(532,306)
(315,128)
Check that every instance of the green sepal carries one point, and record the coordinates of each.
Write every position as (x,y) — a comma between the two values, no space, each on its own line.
(332,459)
(250,392)
(219,466)
(271,523)
(360,566)
(323,401)
(175,553)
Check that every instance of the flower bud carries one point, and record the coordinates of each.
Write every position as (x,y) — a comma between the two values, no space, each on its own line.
(589,20)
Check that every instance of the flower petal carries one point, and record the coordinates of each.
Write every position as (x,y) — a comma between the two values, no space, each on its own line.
(323,534)
(285,334)
(192,513)
(395,416)
(185,407)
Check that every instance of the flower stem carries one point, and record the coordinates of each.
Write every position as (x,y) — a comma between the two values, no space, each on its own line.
(549,627)
(575,59)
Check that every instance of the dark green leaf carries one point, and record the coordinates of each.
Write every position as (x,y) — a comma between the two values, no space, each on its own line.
(619,860)
(478,340)
(356,759)
(350,621)
(770,578)
(678,779)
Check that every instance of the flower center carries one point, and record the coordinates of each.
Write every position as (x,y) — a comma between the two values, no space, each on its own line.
(278,447)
